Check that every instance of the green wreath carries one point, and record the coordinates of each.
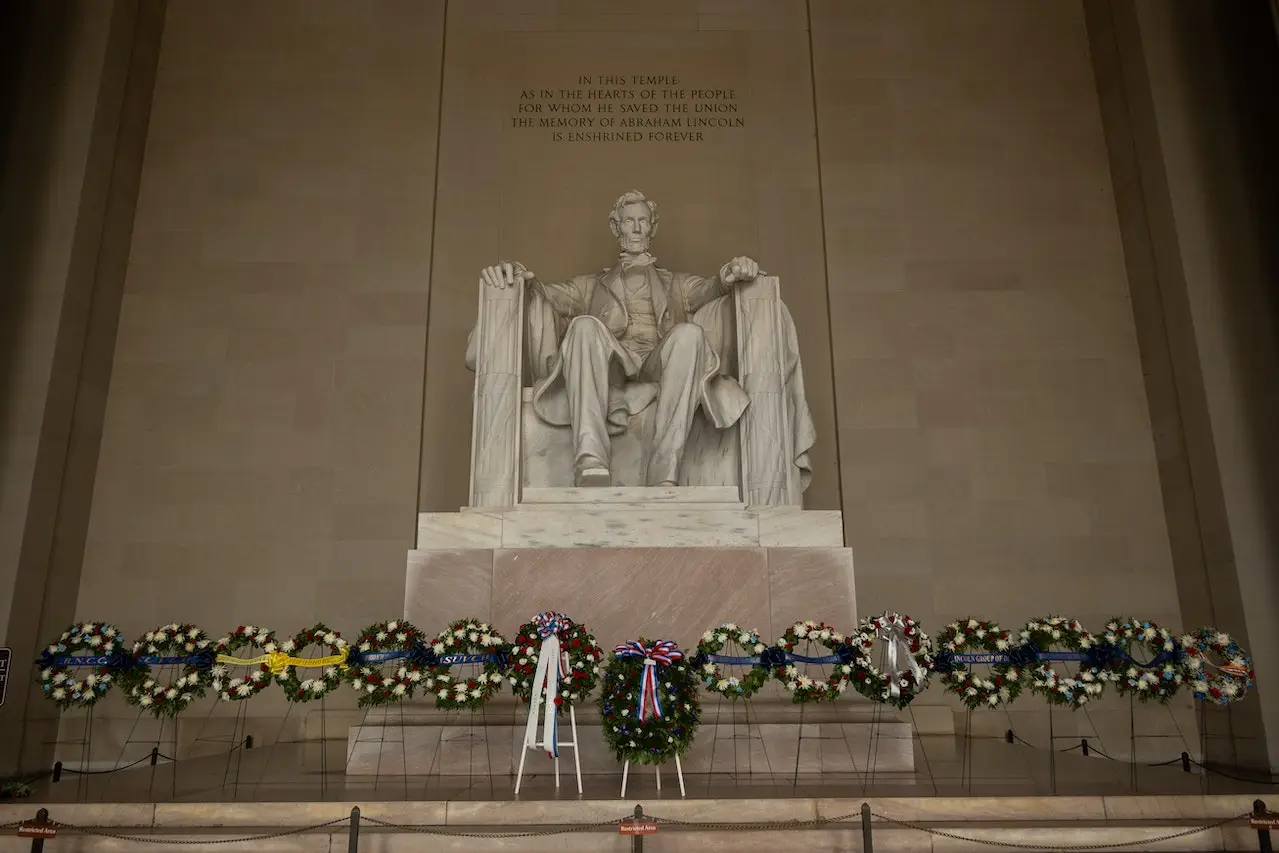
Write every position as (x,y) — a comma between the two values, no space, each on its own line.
(1163,676)
(56,679)
(181,645)
(799,640)
(914,650)
(715,677)
(385,641)
(468,641)
(1073,691)
(649,712)
(258,676)
(974,636)
(309,689)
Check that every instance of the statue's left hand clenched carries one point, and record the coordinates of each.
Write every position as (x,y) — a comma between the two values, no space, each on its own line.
(739,270)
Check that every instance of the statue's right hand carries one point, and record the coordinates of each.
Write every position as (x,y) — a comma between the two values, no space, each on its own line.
(505,274)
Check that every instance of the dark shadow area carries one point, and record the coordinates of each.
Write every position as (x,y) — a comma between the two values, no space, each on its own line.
(34,41)
(1234,48)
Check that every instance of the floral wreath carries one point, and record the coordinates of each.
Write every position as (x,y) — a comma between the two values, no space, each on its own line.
(1163,676)
(304,690)
(56,680)
(466,638)
(240,687)
(583,653)
(712,672)
(802,687)
(975,636)
(1233,679)
(908,659)
(174,645)
(649,711)
(1041,636)
(397,641)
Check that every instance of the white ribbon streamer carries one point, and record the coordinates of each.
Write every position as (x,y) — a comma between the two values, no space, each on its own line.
(894,634)
(546,686)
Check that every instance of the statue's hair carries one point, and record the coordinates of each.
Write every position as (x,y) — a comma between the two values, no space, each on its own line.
(633,197)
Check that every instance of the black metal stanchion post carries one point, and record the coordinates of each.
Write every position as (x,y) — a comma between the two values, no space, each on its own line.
(867,840)
(637,840)
(353,835)
(42,819)
(1263,834)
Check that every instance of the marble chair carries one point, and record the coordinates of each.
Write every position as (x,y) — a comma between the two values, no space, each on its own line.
(513,449)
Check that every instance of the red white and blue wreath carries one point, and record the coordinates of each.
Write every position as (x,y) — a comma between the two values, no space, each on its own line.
(1164,670)
(1221,683)
(648,706)
(972,642)
(1057,639)
(797,642)
(553,660)
(331,666)
(105,657)
(745,648)
(258,675)
(397,642)
(181,645)
(466,642)
(578,653)
(907,659)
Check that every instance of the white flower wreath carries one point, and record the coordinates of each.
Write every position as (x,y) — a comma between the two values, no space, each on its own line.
(1162,676)
(463,637)
(184,642)
(797,641)
(306,689)
(714,675)
(258,676)
(56,680)
(909,654)
(1001,686)
(1233,678)
(1074,691)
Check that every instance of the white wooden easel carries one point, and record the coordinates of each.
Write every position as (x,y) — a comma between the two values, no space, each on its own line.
(657,768)
(559,744)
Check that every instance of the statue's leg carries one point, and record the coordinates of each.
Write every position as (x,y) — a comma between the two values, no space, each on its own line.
(586,351)
(678,365)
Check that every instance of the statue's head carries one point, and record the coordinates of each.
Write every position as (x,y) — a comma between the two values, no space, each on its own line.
(633,222)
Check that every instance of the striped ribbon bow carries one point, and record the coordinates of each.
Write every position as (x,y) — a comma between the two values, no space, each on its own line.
(552,667)
(663,652)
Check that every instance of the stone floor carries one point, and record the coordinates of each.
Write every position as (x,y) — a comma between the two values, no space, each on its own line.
(944,766)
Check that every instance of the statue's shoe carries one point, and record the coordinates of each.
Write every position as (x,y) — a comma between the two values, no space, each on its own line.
(593,473)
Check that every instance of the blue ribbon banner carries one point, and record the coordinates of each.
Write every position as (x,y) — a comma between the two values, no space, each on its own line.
(775,656)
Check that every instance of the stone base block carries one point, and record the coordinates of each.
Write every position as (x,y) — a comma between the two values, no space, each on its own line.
(775,749)
(625,593)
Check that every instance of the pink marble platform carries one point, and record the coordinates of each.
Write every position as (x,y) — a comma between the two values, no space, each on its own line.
(624,593)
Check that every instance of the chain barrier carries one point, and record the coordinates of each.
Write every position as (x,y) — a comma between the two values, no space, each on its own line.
(436,829)
(150,839)
(1022,845)
(440,830)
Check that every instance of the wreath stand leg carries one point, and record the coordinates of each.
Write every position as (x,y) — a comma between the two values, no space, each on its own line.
(657,769)
(560,744)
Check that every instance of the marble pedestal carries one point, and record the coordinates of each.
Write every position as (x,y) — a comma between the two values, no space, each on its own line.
(630,562)
(773,739)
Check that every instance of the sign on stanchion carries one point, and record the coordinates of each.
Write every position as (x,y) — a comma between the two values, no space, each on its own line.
(38,830)
(6,655)
(637,827)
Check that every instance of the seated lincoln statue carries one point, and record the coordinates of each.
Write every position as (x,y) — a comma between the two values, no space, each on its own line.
(602,347)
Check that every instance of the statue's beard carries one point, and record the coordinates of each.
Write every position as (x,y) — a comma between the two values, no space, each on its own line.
(635,245)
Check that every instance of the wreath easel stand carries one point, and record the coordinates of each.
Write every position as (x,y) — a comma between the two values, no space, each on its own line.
(552,662)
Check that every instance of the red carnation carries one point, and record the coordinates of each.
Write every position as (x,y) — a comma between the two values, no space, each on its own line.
(559,700)
(470,683)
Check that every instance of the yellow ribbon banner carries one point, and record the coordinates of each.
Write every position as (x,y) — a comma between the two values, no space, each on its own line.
(277,661)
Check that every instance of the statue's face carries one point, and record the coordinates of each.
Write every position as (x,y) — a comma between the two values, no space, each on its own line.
(634,228)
